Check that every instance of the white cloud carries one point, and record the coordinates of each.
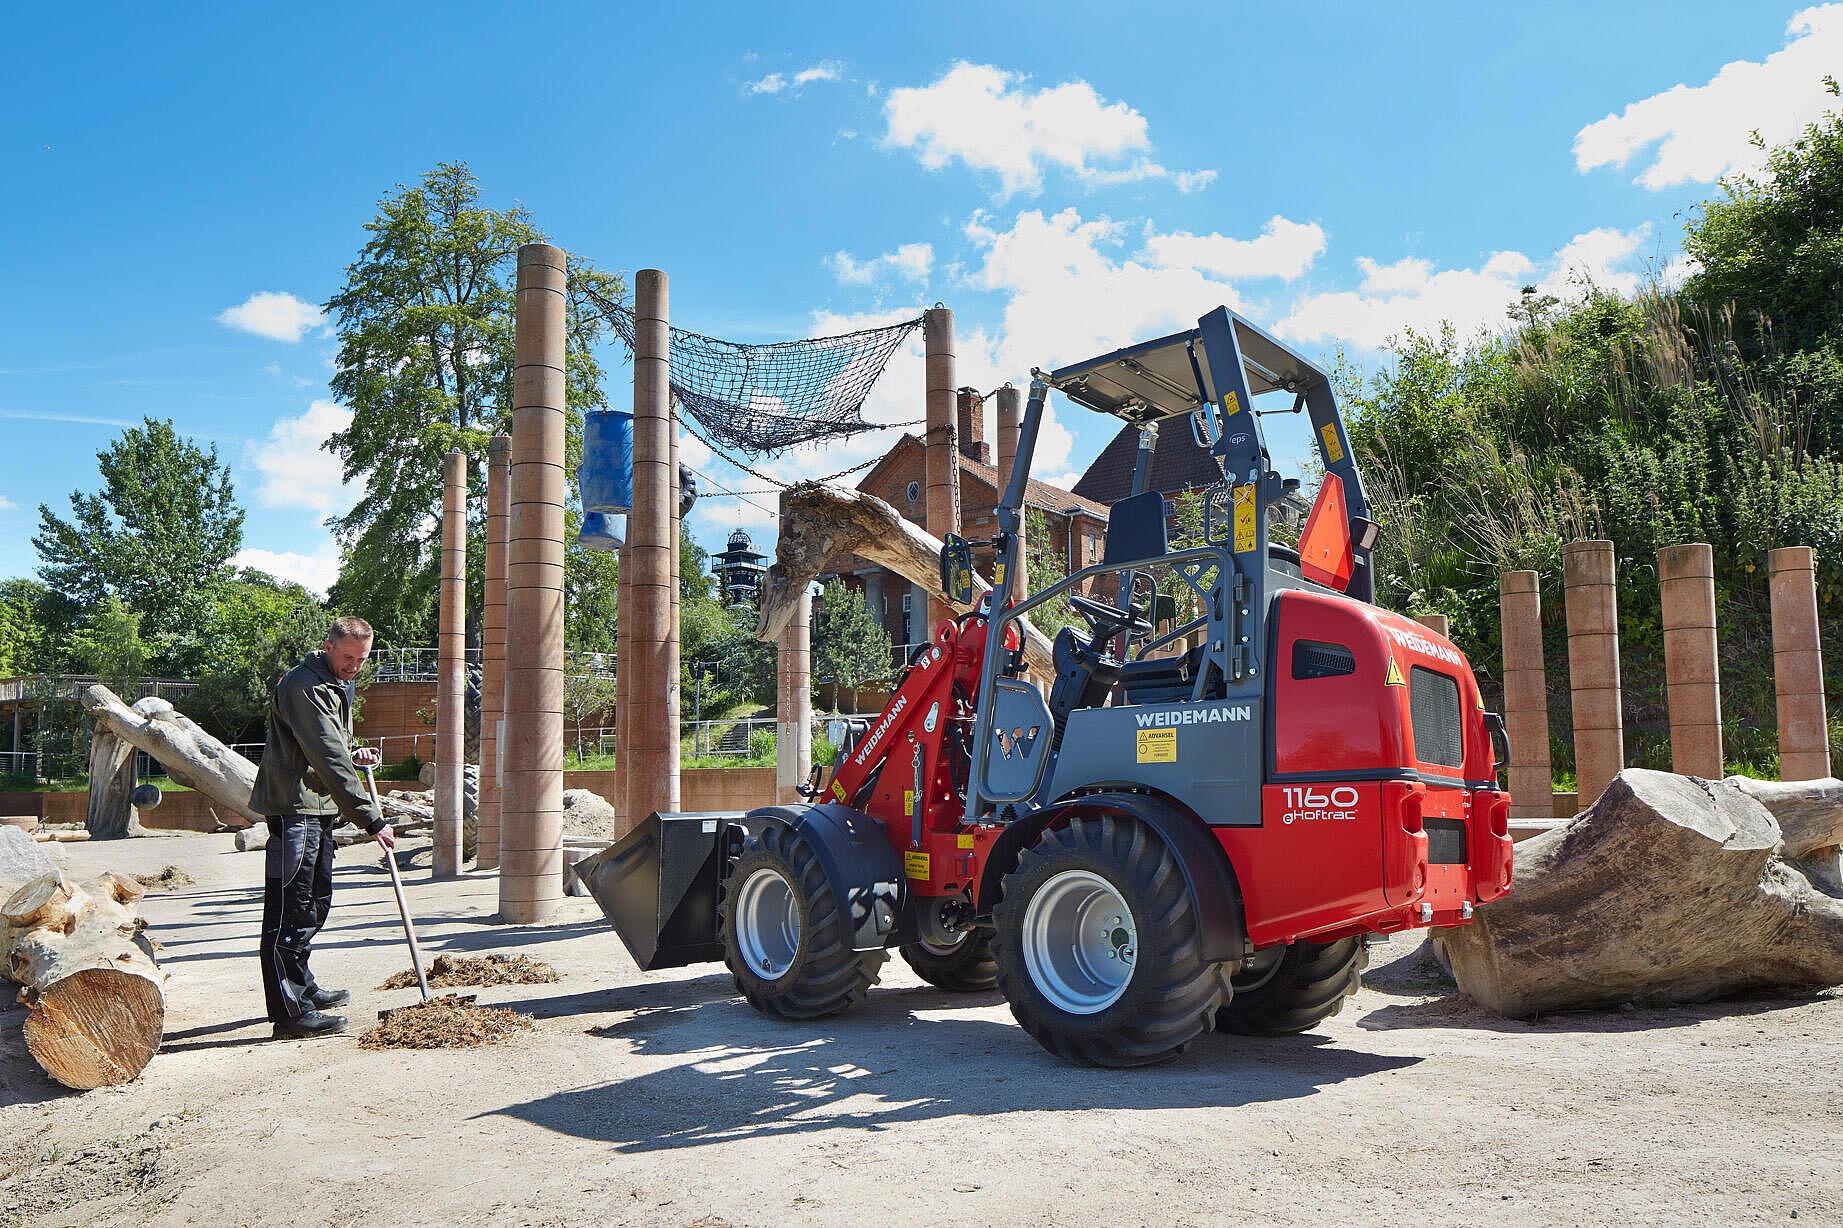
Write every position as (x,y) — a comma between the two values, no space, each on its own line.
(274,314)
(1284,249)
(780,82)
(910,261)
(294,470)
(992,121)
(315,571)
(7,505)
(1703,132)
(1411,294)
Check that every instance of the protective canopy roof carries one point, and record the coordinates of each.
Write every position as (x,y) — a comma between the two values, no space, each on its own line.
(1154,380)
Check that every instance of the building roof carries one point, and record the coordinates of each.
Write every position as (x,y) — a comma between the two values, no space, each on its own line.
(1178,464)
(1037,494)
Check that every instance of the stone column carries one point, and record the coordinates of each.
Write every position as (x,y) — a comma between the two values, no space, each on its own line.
(1798,664)
(674,674)
(531,793)
(451,670)
(652,731)
(1010,423)
(1437,623)
(940,462)
(623,678)
(1526,698)
(493,650)
(793,672)
(1692,677)
(1588,576)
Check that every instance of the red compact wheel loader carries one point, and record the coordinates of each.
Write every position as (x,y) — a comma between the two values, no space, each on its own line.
(1183,831)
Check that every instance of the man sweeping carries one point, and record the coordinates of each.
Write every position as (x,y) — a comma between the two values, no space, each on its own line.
(308,778)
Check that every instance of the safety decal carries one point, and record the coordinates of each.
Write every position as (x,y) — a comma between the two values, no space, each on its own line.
(915,865)
(908,803)
(1157,745)
(967,842)
(1244,518)
(998,576)
(1394,678)
(1334,452)
(838,790)
(1231,404)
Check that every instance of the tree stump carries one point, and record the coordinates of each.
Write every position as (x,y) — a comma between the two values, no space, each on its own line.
(111,814)
(1667,889)
(97,1008)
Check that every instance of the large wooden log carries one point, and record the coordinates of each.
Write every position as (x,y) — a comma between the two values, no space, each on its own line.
(94,990)
(111,814)
(1667,889)
(190,755)
(822,524)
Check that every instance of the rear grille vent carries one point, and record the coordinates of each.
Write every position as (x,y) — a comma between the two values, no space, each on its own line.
(1445,842)
(1433,699)
(1312,659)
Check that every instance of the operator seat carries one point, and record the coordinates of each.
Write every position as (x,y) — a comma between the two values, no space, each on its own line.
(1085,674)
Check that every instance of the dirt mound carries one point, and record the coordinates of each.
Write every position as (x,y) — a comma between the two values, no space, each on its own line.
(447,1022)
(449,971)
(587,815)
(170,878)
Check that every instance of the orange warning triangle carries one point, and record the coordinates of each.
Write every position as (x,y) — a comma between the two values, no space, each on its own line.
(1393,677)
(1325,556)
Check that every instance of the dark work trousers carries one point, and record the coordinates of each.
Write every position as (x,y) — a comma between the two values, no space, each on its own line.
(297,895)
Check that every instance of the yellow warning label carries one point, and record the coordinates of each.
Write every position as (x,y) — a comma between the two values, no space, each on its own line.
(1334,452)
(1394,677)
(967,842)
(838,790)
(1231,404)
(915,865)
(1157,746)
(998,576)
(1244,518)
(908,802)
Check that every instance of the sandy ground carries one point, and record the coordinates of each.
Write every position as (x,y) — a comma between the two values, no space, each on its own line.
(662,1099)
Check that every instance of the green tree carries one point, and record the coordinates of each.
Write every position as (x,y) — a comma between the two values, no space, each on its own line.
(588,692)
(425,328)
(850,647)
(157,536)
(257,628)
(108,644)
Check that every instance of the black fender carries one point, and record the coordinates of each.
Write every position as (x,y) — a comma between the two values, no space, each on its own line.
(863,869)
(1208,874)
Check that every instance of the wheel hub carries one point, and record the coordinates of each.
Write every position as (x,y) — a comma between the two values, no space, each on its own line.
(1080,942)
(767,923)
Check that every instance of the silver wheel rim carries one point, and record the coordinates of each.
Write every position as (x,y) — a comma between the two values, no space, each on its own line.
(945,949)
(1080,942)
(767,923)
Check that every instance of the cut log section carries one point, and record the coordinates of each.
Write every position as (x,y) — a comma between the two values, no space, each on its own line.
(822,524)
(1668,889)
(97,1007)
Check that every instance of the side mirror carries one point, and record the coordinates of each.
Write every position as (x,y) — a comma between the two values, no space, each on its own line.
(957,569)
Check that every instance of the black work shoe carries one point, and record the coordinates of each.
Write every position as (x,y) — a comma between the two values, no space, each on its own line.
(313,1023)
(327,999)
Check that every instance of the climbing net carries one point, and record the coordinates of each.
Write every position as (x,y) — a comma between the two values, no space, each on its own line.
(764,399)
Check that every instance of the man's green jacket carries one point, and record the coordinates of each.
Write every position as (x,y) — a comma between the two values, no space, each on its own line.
(307,758)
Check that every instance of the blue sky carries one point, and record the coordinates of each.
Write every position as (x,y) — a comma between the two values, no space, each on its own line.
(183,187)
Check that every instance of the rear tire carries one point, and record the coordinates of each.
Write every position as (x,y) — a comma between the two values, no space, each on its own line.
(784,936)
(1104,884)
(965,967)
(1307,986)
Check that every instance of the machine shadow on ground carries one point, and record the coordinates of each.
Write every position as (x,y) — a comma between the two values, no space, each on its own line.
(900,1058)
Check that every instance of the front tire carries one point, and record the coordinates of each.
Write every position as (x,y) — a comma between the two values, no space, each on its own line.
(965,967)
(1293,990)
(1098,946)
(784,936)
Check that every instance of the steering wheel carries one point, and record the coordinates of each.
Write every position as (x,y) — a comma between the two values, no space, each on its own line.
(1107,621)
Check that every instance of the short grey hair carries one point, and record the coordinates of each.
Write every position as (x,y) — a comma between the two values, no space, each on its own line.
(348,626)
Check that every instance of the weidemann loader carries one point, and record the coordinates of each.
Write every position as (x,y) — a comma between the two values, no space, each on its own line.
(1184,831)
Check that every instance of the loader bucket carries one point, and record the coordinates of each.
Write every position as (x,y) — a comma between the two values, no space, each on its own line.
(658,886)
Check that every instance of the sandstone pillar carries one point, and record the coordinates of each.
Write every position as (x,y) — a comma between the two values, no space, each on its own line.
(493,651)
(531,793)
(651,757)
(793,672)
(1436,623)
(940,462)
(1798,664)
(1692,677)
(1010,423)
(1526,697)
(674,672)
(451,669)
(1588,575)
(623,680)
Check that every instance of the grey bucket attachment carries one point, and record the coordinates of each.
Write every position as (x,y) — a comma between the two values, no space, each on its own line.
(658,886)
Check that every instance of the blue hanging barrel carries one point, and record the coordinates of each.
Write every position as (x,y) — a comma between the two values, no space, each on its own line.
(601,531)
(606,477)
